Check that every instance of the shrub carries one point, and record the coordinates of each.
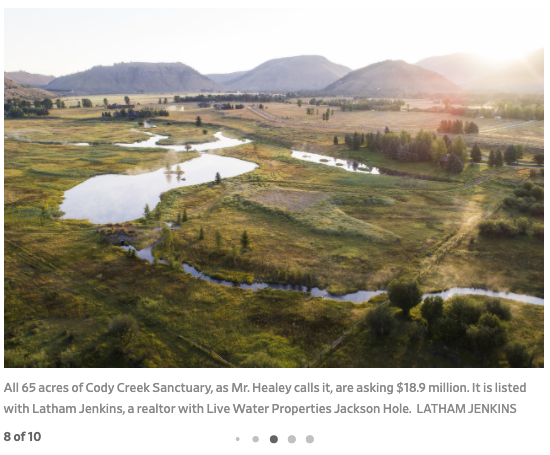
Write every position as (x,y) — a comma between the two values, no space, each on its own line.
(496,229)
(518,355)
(522,225)
(260,360)
(538,231)
(464,310)
(123,325)
(536,209)
(537,192)
(527,185)
(510,201)
(432,311)
(380,320)
(498,308)
(69,359)
(488,334)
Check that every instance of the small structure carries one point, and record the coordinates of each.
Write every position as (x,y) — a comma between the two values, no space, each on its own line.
(203,104)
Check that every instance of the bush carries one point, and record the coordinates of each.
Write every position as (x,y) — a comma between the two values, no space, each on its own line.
(537,192)
(522,225)
(499,309)
(496,229)
(260,360)
(510,201)
(464,310)
(123,325)
(380,320)
(488,335)
(528,185)
(536,209)
(538,231)
(518,355)
(405,294)
(432,311)
(69,359)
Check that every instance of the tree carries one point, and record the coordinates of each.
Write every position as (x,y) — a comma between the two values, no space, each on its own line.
(356,141)
(201,234)
(147,212)
(488,334)
(158,213)
(245,240)
(438,150)
(126,99)
(518,355)
(335,141)
(198,121)
(386,130)
(234,253)
(492,162)
(380,320)
(499,161)
(454,164)
(47,103)
(178,221)
(218,178)
(458,148)
(219,240)
(432,311)
(105,102)
(204,132)
(165,100)
(405,138)
(539,159)
(405,294)
(160,101)
(299,103)
(520,150)
(475,154)
(58,103)
(510,154)
(187,147)
(184,217)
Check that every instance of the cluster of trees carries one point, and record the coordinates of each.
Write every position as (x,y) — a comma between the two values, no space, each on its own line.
(86,102)
(368,104)
(165,100)
(426,146)
(457,127)
(461,322)
(504,110)
(146,112)
(230,97)
(229,106)
(18,108)
(106,114)
(528,198)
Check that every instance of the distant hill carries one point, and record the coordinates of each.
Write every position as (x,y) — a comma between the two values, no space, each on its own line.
(305,72)
(462,68)
(222,79)
(22,77)
(136,78)
(391,78)
(524,76)
(13,90)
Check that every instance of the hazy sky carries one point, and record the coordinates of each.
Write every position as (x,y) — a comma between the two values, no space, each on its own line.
(63,41)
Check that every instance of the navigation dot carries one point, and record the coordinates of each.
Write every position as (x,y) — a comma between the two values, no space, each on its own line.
(292,439)
(255,439)
(273,439)
(309,439)
(238,439)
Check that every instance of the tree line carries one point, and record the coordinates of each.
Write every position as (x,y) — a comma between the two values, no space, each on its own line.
(457,127)
(230,97)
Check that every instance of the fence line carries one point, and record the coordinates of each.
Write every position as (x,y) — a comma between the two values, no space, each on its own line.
(206,349)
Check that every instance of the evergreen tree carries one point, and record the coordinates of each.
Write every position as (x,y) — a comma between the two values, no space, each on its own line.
(178,221)
(158,213)
(492,159)
(475,154)
(335,140)
(499,160)
(363,139)
(165,100)
(324,116)
(184,217)
(105,102)
(127,99)
(387,130)
(198,121)
(356,141)
(219,240)
(454,164)
(147,212)
(299,103)
(201,234)
(327,114)
(378,141)
(510,154)
(245,240)
(160,102)
(519,152)
(218,178)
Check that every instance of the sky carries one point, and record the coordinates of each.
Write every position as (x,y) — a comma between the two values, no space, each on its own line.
(223,41)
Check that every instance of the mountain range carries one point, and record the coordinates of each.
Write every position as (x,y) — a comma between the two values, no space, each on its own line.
(24,78)
(136,78)
(13,90)
(392,77)
(304,72)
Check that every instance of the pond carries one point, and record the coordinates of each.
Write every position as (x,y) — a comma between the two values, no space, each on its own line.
(115,198)
(356,297)
(347,165)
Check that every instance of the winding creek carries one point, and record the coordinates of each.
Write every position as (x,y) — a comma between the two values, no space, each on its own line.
(356,297)
(115,198)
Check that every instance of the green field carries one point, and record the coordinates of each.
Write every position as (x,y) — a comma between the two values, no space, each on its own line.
(67,287)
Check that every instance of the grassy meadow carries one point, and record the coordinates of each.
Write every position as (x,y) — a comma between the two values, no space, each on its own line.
(74,299)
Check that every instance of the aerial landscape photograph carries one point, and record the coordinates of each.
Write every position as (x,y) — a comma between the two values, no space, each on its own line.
(233,197)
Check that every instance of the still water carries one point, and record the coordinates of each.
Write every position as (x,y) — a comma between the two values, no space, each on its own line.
(347,165)
(116,198)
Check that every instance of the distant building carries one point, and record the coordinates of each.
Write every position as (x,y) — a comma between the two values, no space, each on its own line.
(120,106)
(203,104)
